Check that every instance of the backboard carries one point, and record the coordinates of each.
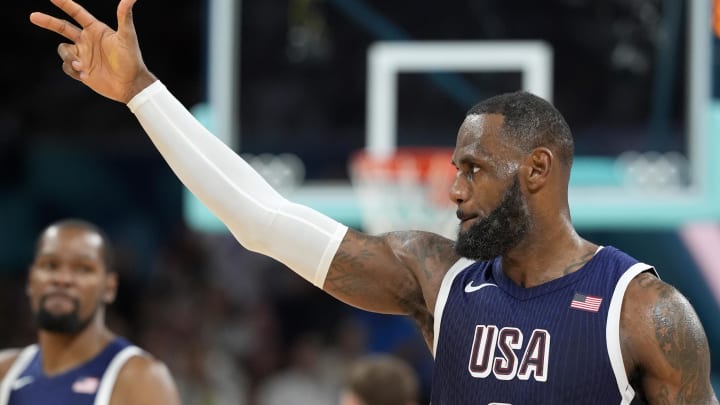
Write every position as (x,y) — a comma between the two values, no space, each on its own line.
(636,188)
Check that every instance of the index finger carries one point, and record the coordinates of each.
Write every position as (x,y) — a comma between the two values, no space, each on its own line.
(76,11)
(57,25)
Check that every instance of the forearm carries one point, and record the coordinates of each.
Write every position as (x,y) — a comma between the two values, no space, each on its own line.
(259,217)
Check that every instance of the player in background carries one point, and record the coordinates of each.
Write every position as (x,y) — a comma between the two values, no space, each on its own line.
(77,360)
(380,380)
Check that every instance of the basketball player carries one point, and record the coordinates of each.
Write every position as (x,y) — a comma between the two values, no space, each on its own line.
(77,360)
(380,380)
(520,310)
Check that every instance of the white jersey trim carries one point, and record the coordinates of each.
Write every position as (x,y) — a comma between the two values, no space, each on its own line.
(612,331)
(110,376)
(443,294)
(19,365)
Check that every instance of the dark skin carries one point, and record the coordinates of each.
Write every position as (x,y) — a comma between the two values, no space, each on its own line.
(663,343)
(69,267)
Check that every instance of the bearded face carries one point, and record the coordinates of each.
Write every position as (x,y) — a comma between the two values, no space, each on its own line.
(499,231)
(68,282)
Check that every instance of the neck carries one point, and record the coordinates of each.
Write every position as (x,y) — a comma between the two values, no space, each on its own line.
(62,352)
(549,254)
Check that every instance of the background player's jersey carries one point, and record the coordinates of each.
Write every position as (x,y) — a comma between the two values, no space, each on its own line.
(88,384)
(557,343)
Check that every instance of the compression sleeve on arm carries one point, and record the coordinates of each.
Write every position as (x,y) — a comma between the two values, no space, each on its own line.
(258,216)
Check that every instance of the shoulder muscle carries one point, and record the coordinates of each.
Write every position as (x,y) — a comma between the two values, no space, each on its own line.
(664,344)
(397,273)
(144,380)
(389,272)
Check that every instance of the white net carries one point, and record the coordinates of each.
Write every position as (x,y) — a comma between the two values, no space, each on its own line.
(406,191)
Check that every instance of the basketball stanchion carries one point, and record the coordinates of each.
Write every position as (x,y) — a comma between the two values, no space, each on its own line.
(407,190)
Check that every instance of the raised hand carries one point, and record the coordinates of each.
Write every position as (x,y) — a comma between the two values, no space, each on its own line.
(107,61)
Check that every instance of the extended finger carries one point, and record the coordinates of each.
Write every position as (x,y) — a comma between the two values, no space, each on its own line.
(62,27)
(76,11)
(125,17)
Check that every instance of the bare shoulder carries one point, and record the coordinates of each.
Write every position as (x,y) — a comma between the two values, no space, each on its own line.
(428,256)
(664,345)
(7,358)
(423,256)
(145,380)
(430,253)
(392,273)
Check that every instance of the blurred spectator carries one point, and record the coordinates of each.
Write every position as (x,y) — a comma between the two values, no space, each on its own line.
(380,380)
(303,382)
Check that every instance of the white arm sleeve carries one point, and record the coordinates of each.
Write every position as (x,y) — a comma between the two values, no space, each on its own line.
(258,216)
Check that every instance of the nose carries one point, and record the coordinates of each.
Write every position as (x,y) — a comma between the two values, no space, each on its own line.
(459,190)
(62,276)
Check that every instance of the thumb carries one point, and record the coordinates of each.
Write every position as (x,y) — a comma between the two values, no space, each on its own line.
(125,17)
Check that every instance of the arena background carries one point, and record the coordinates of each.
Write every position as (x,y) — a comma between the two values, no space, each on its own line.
(235,327)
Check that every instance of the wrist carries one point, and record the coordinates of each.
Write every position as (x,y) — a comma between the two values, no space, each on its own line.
(141,82)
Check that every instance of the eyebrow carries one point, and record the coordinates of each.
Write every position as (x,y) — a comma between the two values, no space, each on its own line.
(477,155)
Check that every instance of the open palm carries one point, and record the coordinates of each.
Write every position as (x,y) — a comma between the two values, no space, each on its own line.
(107,61)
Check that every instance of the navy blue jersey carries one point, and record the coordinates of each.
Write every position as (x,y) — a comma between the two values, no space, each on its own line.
(87,384)
(556,343)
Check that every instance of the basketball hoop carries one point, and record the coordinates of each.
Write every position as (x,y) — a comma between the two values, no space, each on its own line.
(405,191)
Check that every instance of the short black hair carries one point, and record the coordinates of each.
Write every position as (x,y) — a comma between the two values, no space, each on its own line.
(108,254)
(383,379)
(530,122)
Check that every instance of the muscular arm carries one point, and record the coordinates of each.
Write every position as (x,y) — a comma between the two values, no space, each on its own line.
(390,273)
(398,273)
(664,345)
(145,381)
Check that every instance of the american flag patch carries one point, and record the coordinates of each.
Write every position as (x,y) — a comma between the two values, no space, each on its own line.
(586,302)
(86,385)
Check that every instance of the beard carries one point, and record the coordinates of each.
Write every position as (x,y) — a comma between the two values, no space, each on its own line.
(500,231)
(68,323)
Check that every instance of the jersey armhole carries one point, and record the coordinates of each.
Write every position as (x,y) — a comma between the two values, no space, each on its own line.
(111,373)
(612,331)
(19,365)
(443,294)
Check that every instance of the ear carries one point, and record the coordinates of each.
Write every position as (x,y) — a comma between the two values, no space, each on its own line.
(538,167)
(111,285)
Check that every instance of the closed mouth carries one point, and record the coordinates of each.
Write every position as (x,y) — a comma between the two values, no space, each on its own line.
(463,217)
(56,296)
